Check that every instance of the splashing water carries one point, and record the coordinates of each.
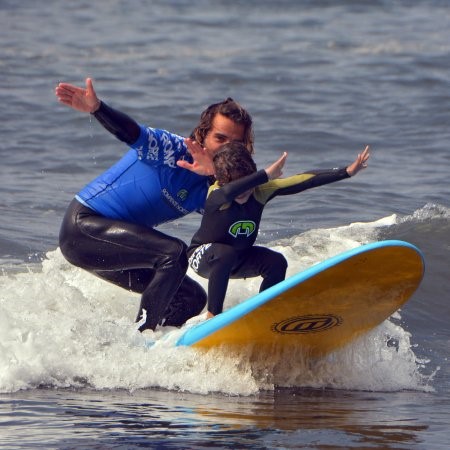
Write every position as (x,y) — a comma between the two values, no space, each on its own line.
(62,327)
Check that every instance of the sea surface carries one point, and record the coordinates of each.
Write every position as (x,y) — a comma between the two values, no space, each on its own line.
(321,79)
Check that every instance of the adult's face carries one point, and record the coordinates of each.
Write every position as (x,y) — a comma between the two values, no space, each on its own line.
(223,131)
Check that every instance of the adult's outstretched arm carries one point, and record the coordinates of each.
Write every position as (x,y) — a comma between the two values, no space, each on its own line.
(85,100)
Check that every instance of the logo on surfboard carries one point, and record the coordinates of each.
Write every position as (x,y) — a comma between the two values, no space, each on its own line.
(307,324)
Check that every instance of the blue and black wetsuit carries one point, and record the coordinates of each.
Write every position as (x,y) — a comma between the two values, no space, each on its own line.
(109,226)
(223,247)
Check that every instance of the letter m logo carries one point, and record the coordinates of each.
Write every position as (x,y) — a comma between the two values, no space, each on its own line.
(245,227)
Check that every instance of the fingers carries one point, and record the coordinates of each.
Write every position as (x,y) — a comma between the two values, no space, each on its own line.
(275,170)
(68,90)
(280,164)
(364,156)
(64,96)
(66,87)
(360,162)
(65,92)
(202,164)
(194,147)
(282,159)
(184,164)
(90,86)
(190,143)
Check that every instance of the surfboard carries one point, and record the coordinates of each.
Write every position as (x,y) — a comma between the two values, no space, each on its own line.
(322,308)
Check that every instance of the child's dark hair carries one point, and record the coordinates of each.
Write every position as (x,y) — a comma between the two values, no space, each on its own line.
(233,161)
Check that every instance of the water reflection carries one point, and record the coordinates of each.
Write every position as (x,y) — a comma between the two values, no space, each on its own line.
(287,418)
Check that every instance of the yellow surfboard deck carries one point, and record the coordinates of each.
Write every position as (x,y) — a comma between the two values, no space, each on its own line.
(322,308)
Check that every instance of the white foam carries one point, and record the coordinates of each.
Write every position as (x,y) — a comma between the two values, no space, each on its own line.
(428,212)
(62,327)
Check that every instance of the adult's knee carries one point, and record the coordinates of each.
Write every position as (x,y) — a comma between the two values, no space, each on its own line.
(188,301)
(174,253)
(71,252)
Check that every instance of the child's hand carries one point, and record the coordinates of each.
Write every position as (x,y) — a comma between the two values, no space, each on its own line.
(276,169)
(360,162)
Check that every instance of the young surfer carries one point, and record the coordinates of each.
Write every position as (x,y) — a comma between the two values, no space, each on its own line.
(109,228)
(223,247)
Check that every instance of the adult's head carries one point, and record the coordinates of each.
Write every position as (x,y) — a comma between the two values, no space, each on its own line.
(233,161)
(222,123)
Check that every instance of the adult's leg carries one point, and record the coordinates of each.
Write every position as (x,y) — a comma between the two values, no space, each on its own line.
(102,245)
(135,280)
(188,301)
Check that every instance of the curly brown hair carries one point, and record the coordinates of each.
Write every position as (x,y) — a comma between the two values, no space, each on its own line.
(233,161)
(230,109)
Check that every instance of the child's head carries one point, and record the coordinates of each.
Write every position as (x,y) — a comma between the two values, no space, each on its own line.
(233,161)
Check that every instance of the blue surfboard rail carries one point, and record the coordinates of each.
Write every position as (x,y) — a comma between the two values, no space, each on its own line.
(200,331)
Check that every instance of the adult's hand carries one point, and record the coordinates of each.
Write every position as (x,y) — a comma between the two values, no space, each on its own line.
(81,99)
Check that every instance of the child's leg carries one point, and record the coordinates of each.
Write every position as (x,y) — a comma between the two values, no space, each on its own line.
(264,262)
(215,262)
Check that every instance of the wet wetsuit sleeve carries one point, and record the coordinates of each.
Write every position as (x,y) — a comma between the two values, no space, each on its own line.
(119,124)
(299,183)
(218,196)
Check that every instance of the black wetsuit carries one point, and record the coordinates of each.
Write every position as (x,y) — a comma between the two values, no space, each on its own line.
(108,228)
(223,247)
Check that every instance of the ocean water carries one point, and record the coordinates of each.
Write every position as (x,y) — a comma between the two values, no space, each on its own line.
(321,79)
